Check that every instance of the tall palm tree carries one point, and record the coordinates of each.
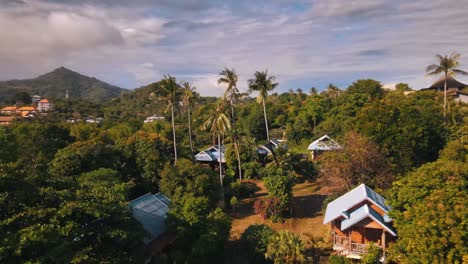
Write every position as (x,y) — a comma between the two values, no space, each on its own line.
(171,93)
(230,78)
(447,65)
(218,124)
(189,93)
(262,83)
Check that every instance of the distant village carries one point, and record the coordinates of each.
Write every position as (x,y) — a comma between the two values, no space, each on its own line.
(39,106)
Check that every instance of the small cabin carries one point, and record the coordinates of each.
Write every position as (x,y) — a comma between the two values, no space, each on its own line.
(359,218)
(150,210)
(324,143)
(211,156)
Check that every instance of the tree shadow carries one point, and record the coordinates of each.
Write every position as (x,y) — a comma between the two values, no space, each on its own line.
(308,206)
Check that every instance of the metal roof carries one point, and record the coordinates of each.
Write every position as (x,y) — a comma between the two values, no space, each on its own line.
(151,211)
(211,154)
(324,143)
(451,83)
(341,205)
(362,213)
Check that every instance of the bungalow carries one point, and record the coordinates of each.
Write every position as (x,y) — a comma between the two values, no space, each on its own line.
(26,111)
(6,120)
(153,118)
(9,110)
(150,210)
(358,218)
(265,150)
(211,156)
(325,143)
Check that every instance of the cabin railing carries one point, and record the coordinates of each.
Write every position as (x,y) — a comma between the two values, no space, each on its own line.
(348,247)
(341,241)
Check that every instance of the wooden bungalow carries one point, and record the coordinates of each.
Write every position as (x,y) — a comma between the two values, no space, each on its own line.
(324,143)
(358,218)
(211,156)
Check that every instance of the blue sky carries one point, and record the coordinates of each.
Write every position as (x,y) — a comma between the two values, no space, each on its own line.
(303,43)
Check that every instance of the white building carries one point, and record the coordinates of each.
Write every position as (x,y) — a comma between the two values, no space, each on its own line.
(44,105)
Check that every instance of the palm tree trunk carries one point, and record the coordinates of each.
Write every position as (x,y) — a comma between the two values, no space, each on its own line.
(220,167)
(236,145)
(445,98)
(268,134)
(174,134)
(190,134)
(266,120)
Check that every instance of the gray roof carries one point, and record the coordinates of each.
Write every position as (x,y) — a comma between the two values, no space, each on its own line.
(211,154)
(362,213)
(451,83)
(324,143)
(341,205)
(151,211)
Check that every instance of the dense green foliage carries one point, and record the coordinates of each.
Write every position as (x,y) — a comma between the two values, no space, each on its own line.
(256,239)
(286,248)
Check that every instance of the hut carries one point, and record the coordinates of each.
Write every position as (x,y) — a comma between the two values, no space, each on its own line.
(324,143)
(358,218)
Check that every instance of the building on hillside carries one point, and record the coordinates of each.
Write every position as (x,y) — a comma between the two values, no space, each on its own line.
(6,120)
(455,88)
(9,110)
(211,156)
(35,98)
(150,210)
(26,111)
(44,105)
(358,218)
(153,118)
(265,149)
(325,143)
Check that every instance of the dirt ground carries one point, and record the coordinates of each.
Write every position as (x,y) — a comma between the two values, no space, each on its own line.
(306,218)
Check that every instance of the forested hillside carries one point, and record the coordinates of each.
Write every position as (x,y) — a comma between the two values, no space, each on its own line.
(56,83)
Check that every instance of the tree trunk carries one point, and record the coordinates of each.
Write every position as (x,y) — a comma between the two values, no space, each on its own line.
(190,134)
(268,134)
(236,145)
(174,134)
(220,167)
(445,99)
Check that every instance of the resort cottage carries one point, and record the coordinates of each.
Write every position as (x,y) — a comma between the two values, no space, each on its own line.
(325,143)
(358,218)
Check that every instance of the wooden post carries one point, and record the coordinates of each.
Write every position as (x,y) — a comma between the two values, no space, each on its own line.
(383,242)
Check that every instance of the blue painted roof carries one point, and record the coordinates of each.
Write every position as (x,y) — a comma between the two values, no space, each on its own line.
(342,204)
(362,213)
(151,211)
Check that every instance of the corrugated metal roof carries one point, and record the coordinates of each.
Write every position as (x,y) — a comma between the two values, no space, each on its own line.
(151,211)
(362,213)
(342,204)
(211,154)
(324,143)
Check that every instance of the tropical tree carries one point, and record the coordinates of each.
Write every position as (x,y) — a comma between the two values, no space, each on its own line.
(218,124)
(286,248)
(189,93)
(262,83)
(171,92)
(230,78)
(447,65)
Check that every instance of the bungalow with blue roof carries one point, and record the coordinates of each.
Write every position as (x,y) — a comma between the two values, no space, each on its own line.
(358,218)
(324,143)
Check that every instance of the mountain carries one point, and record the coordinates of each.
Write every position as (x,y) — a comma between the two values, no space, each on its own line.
(55,84)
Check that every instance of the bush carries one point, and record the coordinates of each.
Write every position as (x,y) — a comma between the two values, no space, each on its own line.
(279,184)
(256,239)
(269,208)
(373,255)
(338,260)
(252,170)
(242,189)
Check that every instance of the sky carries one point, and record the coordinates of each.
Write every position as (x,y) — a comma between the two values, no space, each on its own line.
(304,43)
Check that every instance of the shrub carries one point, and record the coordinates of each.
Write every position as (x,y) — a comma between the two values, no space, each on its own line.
(242,189)
(338,260)
(280,185)
(373,255)
(256,238)
(269,208)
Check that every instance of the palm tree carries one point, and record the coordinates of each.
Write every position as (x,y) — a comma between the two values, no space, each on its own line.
(262,83)
(447,65)
(218,124)
(171,92)
(230,78)
(187,100)
(286,247)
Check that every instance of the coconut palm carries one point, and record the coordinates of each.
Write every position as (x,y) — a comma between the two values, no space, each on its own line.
(189,93)
(229,77)
(447,65)
(286,247)
(262,83)
(218,124)
(171,92)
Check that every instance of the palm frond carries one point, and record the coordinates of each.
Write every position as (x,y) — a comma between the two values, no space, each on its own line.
(461,72)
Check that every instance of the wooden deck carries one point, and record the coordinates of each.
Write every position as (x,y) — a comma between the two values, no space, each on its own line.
(344,247)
